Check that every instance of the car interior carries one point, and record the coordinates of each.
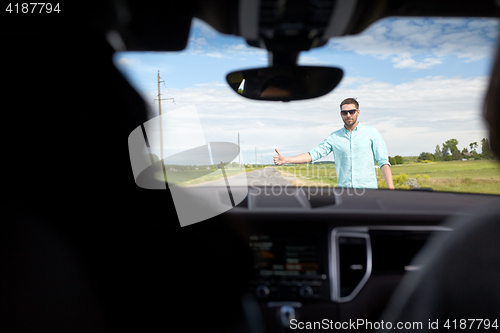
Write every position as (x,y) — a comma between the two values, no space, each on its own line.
(85,247)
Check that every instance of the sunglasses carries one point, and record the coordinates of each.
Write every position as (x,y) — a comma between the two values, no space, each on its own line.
(344,113)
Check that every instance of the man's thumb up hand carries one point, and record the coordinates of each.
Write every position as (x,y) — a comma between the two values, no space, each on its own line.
(278,160)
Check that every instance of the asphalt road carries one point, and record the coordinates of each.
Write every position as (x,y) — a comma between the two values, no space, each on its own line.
(264,177)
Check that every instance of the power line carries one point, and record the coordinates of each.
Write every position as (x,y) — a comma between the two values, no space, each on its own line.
(159,99)
(161,129)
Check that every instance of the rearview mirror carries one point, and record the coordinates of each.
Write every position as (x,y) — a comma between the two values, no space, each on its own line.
(285,83)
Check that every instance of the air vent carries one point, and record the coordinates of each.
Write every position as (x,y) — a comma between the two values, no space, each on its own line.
(356,253)
(408,243)
(351,264)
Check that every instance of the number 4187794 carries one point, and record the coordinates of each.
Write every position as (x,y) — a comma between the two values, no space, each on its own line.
(33,8)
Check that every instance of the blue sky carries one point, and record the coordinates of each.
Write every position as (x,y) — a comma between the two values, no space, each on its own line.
(420,82)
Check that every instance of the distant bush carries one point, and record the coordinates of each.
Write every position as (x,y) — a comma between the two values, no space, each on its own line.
(411,183)
(426,156)
(398,181)
(468,181)
(448,158)
(410,159)
(418,176)
(426,177)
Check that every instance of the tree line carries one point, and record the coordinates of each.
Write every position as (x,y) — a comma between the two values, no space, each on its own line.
(449,151)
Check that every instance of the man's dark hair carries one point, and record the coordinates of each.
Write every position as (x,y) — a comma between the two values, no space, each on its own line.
(349,101)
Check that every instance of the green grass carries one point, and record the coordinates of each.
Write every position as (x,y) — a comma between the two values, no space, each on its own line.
(314,175)
(481,169)
(481,176)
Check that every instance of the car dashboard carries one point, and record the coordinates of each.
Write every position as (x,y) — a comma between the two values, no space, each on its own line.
(336,255)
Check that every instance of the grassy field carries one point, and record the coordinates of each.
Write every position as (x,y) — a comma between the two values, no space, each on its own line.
(480,176)
(310,175)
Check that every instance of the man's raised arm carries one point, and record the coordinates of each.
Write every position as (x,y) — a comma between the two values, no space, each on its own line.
(302,158)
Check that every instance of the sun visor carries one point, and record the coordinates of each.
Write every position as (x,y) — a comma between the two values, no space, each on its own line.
(163,26)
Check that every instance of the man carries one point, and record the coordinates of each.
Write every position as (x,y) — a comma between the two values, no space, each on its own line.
(354,148)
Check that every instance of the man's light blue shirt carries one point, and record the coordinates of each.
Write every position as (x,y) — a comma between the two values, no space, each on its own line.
(354,155)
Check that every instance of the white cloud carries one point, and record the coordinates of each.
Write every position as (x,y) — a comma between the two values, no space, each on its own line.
(200,46)
(203,29)
(210,48)
(309,60)
(205,40)
(211,84)
(404,39)
(197,43)
(237,48)
(241,49)
(354,80)
(405,61)
(127,61)
(214,54)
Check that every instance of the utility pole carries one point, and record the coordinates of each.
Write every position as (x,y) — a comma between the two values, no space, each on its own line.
(159,109)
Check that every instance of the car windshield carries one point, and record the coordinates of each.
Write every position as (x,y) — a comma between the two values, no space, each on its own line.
(420,82)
